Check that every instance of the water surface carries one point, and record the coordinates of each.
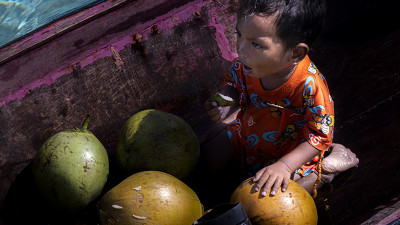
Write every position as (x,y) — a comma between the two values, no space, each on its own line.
(21,17)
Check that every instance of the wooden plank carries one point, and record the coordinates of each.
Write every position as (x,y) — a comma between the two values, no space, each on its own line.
(83,42)
(97,70)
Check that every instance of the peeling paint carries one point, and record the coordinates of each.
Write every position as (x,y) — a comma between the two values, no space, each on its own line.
(222,40)
(118,60)
(163,22)
(48,80)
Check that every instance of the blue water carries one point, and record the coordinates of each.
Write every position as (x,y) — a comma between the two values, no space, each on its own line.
(22,17)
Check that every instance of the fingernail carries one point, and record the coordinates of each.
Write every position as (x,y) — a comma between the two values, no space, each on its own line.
(256,189)
(273,192)
(283,189)
(264,193)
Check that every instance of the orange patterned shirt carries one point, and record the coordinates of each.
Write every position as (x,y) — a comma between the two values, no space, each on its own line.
(271,123)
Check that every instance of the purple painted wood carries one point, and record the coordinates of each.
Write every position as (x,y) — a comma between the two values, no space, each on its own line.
(96,68)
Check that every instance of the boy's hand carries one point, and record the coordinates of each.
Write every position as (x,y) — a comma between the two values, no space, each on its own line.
(273,176)
(216,113)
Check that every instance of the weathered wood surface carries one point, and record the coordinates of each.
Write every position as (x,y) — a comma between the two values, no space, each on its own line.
(356,53)
(97,69)
(360,59)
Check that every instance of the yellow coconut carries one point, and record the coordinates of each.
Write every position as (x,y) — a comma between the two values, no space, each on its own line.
(150,197)
(294,206)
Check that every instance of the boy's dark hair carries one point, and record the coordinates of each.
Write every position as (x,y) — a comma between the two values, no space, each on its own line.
(298,21)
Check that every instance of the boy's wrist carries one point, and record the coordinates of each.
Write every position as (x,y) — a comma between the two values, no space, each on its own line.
(287,167)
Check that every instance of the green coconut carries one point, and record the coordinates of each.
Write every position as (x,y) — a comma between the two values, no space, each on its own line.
(157,140)
(71,169)
(221,99)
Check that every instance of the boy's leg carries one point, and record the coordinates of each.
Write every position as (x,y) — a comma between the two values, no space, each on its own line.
(308,181)
(339,160)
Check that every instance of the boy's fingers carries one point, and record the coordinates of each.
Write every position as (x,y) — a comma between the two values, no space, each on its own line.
(215,111)
(267,186)
(210,105)
(262,180)
(277,185)
(285,184)
(258,175)
(215,117)
(225,111)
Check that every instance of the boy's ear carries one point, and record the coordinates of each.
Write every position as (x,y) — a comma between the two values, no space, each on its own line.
(298,53)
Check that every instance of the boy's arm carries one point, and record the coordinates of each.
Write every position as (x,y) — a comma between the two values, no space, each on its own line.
(278,174)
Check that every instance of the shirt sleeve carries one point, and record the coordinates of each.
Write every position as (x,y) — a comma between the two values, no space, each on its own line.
(319,112)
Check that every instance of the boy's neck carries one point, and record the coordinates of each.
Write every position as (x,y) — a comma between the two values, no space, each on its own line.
(275,81)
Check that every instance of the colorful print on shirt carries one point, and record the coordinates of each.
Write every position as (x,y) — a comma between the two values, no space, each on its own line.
(271,123)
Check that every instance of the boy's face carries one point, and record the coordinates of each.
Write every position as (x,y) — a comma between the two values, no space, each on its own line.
(260,50)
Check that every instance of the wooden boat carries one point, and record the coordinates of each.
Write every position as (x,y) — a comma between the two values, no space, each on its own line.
(120,57)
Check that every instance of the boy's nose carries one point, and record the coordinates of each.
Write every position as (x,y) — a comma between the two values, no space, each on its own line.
(241,49)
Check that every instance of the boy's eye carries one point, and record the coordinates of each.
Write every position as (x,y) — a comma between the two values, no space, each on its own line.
(257,46)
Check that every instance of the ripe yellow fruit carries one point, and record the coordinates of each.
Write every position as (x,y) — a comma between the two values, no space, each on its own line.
(150,197)
(294,206)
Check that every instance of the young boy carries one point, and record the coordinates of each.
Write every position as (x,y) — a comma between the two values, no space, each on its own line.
(286,116)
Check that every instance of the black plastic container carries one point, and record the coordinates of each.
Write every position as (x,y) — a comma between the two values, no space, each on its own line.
(225,214)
